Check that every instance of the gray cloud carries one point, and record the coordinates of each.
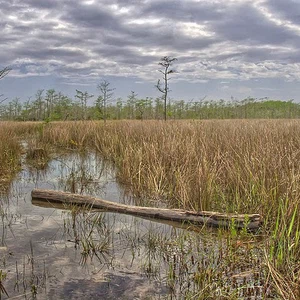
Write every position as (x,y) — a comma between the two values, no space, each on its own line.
(95,17)
(184,10)
(289,10)
(53,4)
(245,23)
(237,39)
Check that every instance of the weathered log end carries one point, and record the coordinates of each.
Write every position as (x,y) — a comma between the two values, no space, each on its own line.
(250,222)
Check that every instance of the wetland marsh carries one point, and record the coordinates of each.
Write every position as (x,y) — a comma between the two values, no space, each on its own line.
(228,166)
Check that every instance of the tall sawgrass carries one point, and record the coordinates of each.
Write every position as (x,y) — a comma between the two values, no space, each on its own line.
(243,166)
(9,153)
(230,166)
(12,134)
(233,166)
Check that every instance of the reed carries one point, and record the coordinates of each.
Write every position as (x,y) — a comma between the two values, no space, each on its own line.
(10,151)
(243,166)
(229,166)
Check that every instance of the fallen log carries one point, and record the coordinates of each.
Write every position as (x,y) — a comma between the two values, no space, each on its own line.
(214,219)
(63,206)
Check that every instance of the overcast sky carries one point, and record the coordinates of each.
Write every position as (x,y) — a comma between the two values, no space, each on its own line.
(224,48)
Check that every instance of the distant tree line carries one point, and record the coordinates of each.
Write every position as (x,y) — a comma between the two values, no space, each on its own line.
(50,105)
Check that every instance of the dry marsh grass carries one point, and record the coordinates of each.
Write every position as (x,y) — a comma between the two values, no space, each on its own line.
(244,166)
(9,153)
(230,165)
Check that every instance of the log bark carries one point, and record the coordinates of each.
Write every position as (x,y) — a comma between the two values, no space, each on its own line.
(215,219)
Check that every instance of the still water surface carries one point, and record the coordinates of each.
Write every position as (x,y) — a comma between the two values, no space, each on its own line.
(46,251)
(67,253)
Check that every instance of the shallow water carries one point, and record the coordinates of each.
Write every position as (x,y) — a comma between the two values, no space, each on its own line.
(55,253)
(38,247)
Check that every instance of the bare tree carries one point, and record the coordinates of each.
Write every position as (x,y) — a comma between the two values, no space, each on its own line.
(50,99)
(166,62)
(3,73)
(83,97)
(131,101)
(2,100)
(107,95)
(39,104)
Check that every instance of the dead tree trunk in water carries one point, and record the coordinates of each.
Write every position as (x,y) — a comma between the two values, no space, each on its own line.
(214,219)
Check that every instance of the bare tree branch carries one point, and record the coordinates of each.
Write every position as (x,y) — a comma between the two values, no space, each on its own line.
(4,72)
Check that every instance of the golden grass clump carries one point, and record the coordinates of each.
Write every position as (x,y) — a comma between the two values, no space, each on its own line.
(69,135)
(243,166)
(229,166)
(10,151)
(11,136)
(235,166)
